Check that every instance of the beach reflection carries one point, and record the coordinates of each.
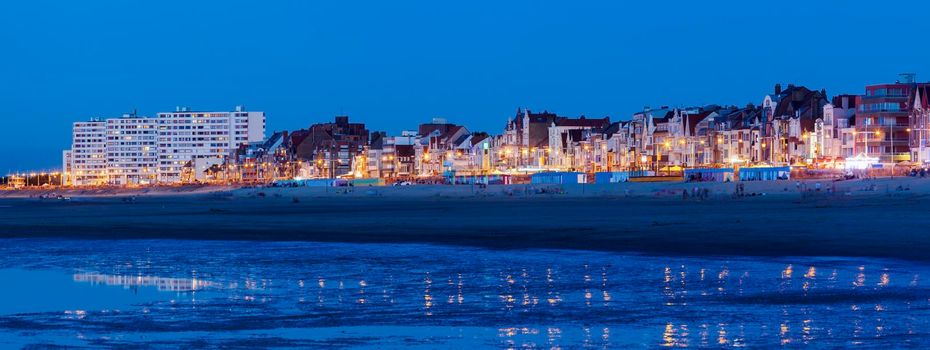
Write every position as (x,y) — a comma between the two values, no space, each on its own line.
(551,299)
(131,282)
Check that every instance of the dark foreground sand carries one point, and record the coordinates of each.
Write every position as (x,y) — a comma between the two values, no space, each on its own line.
(849,222)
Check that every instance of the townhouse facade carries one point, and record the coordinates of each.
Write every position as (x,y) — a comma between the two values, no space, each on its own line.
(919,128)
(334,148)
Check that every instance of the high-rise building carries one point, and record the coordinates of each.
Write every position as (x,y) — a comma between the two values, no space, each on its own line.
(88,153)
(131,150)
(201,139)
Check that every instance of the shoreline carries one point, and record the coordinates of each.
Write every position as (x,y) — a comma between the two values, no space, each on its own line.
(651,219)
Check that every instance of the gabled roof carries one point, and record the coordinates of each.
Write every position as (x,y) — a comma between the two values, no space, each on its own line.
(478,137)
(405,150)
(276,139)
(583,122)
(692,120)
(612,129)
(297,137)
(460,140)
(799,100)
(428,128)
(571,136)
(450,132)
(921,97)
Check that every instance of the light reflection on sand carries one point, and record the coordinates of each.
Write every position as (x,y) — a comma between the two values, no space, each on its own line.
(160,283)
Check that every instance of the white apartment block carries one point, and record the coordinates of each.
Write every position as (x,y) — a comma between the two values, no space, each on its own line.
(88,153)
(131,152)
(186,136)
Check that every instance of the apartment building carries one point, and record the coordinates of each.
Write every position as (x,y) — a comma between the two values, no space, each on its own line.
(88,153)
(883,120)
(199,140)
(131,152)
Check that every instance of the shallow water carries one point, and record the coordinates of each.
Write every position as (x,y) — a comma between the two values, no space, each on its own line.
(184,294)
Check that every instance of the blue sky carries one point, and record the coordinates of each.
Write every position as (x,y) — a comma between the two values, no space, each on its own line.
(394,65)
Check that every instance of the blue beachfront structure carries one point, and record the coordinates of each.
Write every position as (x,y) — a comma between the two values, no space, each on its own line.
(765,173)
(710,174)
(609,177)
(558,178)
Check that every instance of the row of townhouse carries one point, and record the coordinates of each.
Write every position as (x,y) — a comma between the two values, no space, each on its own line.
(790,126)
(345,149)
(139,150)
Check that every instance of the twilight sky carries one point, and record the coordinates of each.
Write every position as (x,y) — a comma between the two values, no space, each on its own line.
(396,64)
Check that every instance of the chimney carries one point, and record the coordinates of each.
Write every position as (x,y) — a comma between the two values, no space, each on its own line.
(777,89)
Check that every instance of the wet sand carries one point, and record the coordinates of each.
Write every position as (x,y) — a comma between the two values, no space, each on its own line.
(860,218)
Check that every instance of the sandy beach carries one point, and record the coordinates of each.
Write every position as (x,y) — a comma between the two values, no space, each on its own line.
(103,192)
(877,218)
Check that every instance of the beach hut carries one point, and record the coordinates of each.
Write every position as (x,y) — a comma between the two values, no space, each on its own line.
(304,183)
(765,173)
(556,177)
(609,177)
(367,182)
(710,175)
(479,179)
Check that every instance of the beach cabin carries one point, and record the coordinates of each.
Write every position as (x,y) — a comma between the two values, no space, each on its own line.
(305,183)
(710,175)
(479,179)
(765,173)
(558,178)
(367,182)
(609,177)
